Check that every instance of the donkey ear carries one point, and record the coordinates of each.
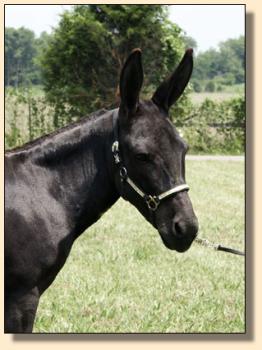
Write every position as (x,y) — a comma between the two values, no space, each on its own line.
(131,80)
(172,88)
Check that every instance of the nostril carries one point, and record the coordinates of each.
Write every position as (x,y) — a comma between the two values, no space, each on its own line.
(178,229)
(184,228)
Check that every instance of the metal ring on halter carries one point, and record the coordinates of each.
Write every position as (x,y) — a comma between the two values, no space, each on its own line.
(152,202)
(123,173)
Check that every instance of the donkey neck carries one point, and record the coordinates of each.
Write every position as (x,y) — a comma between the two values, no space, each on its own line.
(80,163)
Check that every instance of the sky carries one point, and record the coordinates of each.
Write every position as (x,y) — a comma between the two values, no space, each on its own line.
(210,24)
(207,24)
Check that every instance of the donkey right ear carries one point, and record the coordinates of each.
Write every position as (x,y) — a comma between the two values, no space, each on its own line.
(131,80)
(172,88)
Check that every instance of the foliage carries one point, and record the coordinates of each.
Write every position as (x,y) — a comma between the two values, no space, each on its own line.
(189,42)
(81,63)
(197,86)
(215,127)
(21,52)
(119,277)
(208,127)
(210,86)
(27,116)
(226,65)
(84,58)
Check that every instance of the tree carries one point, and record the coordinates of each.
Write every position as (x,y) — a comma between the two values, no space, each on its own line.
(19,54)
(189,42)
(85,55)
(40,45)
(226,65)
(232,56)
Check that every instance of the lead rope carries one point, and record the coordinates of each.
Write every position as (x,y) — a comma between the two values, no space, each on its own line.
(205,243)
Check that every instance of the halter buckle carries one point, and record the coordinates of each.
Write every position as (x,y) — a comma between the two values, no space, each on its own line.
(152,202)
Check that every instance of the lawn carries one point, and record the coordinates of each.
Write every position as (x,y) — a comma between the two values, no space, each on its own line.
(119,276)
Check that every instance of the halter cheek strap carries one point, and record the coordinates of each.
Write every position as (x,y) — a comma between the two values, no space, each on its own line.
(152,201)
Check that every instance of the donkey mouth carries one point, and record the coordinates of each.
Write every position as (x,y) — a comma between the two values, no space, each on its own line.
(178,244)
(174,241)
(178,235)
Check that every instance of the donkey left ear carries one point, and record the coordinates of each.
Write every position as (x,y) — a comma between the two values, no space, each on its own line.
(172,88)
(131,80)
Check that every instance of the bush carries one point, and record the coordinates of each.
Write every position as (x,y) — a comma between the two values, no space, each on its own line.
(212,127)
(197,86)
(210,86)
(215,127)
(27,116)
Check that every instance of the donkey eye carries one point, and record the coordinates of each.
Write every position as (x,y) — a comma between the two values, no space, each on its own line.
(142,157)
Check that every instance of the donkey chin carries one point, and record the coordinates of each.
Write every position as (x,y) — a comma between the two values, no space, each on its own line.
(179,239)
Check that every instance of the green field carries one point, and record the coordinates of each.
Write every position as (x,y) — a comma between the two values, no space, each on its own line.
(120,277)
(228,93)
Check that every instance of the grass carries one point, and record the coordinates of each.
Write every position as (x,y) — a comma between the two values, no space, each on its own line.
(200,97)
(236,88)
(119,276)
(228,93)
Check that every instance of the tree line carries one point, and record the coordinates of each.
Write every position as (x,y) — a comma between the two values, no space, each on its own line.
(215,69)
(22,53)
(109,32)
(79,63)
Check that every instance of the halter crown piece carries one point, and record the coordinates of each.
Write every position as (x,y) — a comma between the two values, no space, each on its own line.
(152,201)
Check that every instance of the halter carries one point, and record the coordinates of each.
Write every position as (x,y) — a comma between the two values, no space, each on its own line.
(152,201)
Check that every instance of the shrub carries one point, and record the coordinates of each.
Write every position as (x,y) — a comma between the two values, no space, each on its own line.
(27,116)
(212,127)
(197,86)
(215,127)
(210,86)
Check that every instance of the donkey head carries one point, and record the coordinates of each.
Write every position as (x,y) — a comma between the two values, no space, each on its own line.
(153,153)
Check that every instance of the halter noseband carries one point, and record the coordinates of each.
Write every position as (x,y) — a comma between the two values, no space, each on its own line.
(152,201)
